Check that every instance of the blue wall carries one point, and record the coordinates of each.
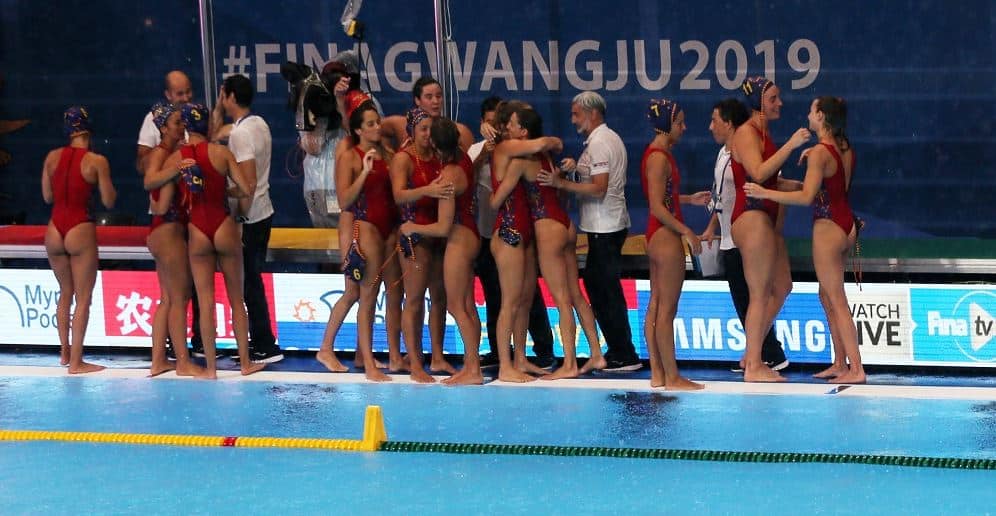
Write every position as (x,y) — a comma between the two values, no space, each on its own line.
(918,78)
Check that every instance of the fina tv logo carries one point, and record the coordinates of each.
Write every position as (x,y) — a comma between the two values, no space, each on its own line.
(971,325)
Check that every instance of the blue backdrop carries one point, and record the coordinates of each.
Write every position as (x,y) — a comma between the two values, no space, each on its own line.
(917,76)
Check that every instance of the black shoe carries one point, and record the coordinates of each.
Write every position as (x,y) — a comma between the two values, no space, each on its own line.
(622,366)
(266,355)
(544,361)
(489,360)
(199,353)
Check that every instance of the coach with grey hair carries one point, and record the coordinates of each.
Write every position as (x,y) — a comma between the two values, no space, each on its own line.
(601,186)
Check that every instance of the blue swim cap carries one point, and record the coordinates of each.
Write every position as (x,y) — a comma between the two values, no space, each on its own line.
(75,121)
(754,88)
(161,112)
(662,114)
(195,118)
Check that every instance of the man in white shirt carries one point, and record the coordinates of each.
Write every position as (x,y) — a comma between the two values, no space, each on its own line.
(539,321)
(178,92)
(601,172)
(727,115)
(251,144)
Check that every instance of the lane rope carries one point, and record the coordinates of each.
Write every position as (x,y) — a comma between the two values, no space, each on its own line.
(375,439)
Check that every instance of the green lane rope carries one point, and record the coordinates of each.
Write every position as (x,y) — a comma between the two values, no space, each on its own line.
(699,455)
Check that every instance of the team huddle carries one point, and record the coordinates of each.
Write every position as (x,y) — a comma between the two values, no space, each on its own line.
(421,207)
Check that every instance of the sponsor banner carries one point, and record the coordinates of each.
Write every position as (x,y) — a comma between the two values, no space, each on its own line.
(954,325)
(28,301)
(130,300)
(304,303)
(706,326)
(884,323)
(896,324)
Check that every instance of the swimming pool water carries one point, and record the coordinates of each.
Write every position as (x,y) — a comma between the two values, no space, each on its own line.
(69,477)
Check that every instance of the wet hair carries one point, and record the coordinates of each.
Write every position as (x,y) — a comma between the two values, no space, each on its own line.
(504,110)
(240,86)
(530,120)
(420,84)
(589,100)
(446,139)
(489,104)
(662,114)
(733,111)
(356,122)
(834,110)
(356,118)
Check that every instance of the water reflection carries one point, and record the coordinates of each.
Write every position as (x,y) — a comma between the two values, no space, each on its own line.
(639,416)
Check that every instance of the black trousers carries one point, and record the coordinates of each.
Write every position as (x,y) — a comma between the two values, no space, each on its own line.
(771,350)
(602,273)
(255,241)
(539,321)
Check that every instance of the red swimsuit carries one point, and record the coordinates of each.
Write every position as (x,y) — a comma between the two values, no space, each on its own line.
(175,213)
(70,192)
(206,202)
(831,202)
(466,203)
(424,210)
(672,195)
(512,222)
(740,176)
(375,204)
(544,201)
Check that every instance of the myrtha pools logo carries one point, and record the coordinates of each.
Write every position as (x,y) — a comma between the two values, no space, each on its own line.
(970,325)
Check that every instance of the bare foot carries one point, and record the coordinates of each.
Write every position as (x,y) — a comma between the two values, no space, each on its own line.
(593,364)
(250,368)
(562,372)
(64,356)
(331,362)
(398,364)
(526,366)
(441,366)
(512,374)
(762,373)
(160,368)
(358,363)
(85,367)
(850,377)
(466,376)
(376,375)
(682,384)
(188,368)
(831,372)
(657,379)
(420,376)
